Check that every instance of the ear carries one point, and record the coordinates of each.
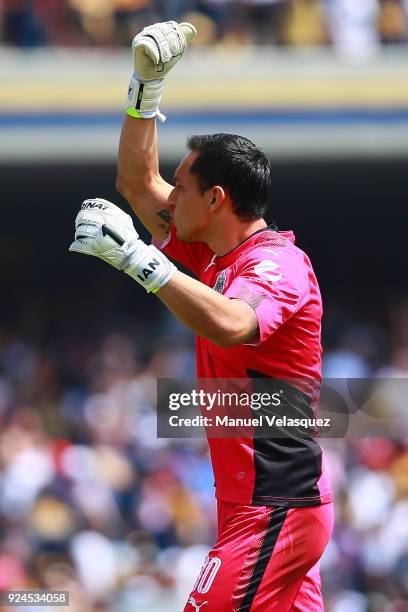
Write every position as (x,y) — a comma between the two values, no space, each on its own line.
(217,195)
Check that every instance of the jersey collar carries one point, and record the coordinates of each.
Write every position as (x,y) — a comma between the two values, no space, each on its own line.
(226,260)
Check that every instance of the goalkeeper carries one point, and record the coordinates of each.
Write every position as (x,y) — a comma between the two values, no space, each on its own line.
(256,308)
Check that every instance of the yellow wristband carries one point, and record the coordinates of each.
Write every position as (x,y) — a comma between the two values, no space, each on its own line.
(134,113)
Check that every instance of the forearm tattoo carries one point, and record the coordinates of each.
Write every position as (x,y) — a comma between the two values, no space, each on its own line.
(165,216)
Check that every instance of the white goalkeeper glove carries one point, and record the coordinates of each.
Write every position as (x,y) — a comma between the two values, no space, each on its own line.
(156,49)
(104,230)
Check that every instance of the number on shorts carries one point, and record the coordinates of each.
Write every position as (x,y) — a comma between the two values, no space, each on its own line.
(207,574)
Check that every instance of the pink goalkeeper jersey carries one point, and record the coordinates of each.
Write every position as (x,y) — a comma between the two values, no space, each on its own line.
(276,278)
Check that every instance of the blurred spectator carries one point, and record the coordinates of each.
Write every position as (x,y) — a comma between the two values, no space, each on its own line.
(355,29)
(306,24)
(392,22)
(96,19)
(22,24)
(266,20)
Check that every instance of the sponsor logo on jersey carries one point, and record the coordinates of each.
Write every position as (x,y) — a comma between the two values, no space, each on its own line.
(268,269)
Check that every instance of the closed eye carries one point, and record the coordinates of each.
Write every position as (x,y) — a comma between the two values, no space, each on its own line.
(176,182)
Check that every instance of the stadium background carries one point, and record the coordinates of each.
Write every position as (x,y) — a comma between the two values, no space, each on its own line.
(90,500)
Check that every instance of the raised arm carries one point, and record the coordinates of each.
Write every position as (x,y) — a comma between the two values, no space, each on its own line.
(138,177)
(105,231)
(156,49)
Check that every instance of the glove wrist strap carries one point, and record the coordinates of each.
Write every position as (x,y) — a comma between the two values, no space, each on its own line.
(144,98)
(148,266)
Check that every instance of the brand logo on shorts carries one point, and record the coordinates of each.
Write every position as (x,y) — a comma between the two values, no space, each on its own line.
(196,606)
(220,282)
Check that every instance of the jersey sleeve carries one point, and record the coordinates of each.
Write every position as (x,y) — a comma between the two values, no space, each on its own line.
(274,282)
(191,255)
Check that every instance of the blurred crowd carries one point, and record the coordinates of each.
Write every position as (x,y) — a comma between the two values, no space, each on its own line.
(92,502)
(349,25)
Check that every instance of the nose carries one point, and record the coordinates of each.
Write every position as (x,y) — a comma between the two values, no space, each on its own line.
(171,200)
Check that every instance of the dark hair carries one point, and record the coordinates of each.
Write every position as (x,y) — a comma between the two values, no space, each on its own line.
(237,165)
